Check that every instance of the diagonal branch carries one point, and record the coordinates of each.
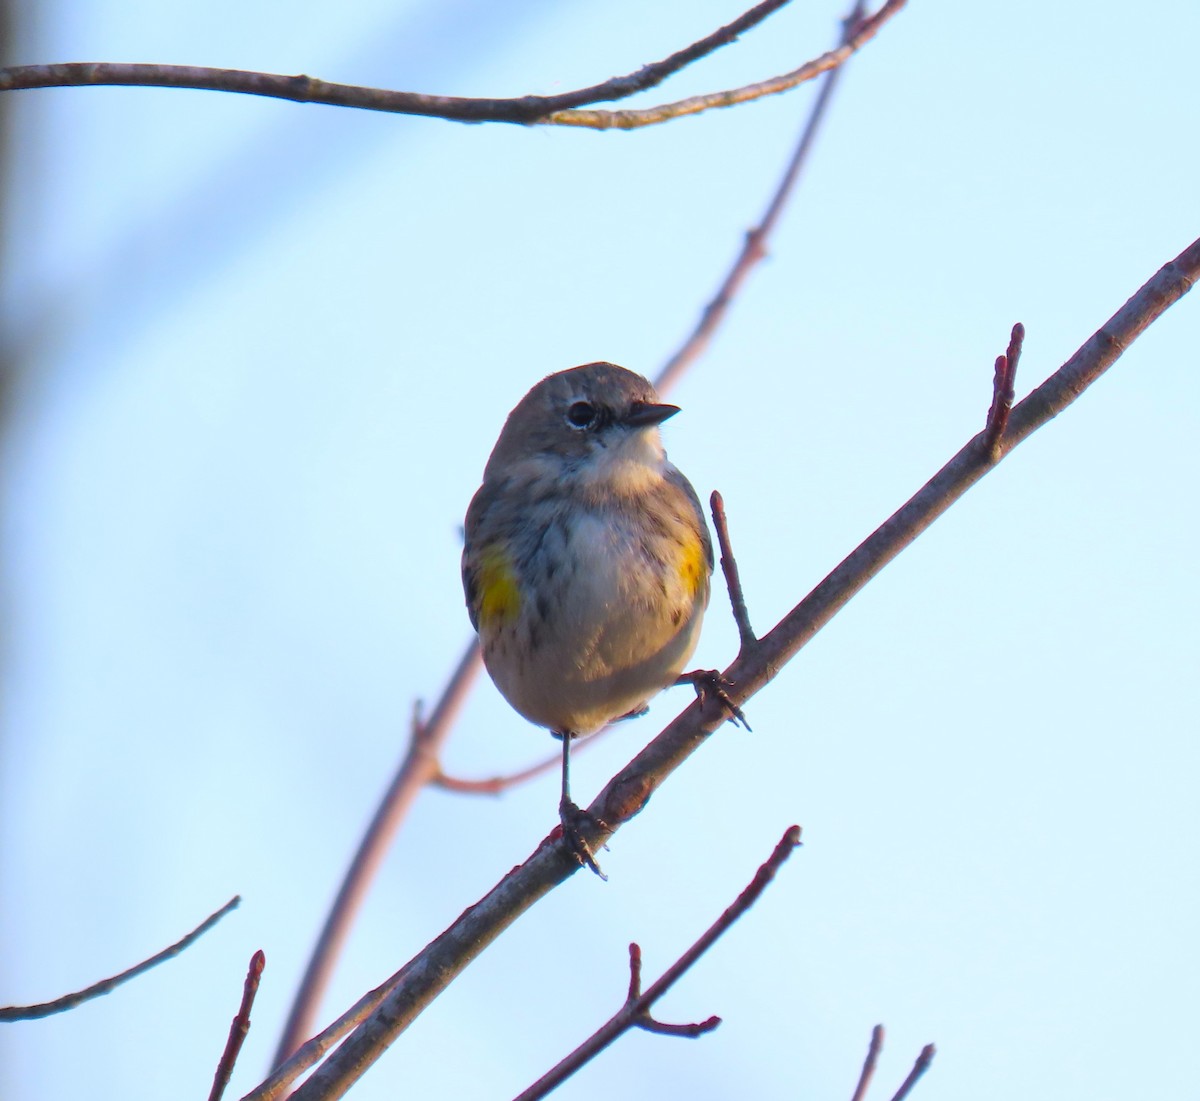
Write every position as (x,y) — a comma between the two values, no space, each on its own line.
(527,110)
(432,970)
(635,1013)
(106,986)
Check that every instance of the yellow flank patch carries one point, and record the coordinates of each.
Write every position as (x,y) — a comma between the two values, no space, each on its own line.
(499,596)
(693,565)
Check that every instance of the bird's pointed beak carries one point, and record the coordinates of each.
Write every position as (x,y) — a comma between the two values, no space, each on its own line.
(643,414)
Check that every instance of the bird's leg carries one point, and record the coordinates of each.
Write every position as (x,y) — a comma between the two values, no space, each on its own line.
(574,817)
(705,681)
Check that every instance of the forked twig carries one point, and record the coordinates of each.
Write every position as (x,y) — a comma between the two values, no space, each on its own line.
(635,1013)
(1003,392)
(239,1026)
(106,986)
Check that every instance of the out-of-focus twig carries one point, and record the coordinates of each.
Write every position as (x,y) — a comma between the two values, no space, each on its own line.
(106,986)
(914,1075)
(869,1064)
(754,247)
(419,767)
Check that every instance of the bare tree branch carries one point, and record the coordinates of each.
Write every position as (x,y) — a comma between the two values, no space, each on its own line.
(106,986)
(869,1064)
(527,110)
(635,1013)
(239,1026)
(914,1075)
(435,966)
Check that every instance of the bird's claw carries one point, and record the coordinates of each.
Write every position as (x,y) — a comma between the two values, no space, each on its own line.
(706,681)
(574,818)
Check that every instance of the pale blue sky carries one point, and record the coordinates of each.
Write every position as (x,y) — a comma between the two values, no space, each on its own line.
(268,348)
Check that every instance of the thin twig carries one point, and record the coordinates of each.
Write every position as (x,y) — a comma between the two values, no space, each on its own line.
(729,568)
(694,105)
(635,1013)
(106,986)
(869,1064)
(239,1027)
(914,1075)
(528,110)
(1003,392)
(419,766)
(435,966)
(754,247)
(495,785)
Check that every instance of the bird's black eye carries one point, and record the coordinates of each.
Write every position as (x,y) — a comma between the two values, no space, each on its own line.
(582,414)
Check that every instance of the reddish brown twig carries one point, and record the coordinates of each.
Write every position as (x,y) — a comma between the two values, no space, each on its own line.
(729,568)
(754,247)
(1003,392)
(869,1064)
(495,785)
(635,1013)
(408,991)
(914,1075)
(239,1027)
(106,986)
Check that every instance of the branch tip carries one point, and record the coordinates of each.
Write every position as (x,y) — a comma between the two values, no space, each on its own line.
(733,581)
(105,986)
(635,971)
(239,1027)
(869,1064)
(1003,393)
(919,1068)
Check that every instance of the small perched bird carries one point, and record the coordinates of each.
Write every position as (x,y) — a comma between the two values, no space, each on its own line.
(587,560)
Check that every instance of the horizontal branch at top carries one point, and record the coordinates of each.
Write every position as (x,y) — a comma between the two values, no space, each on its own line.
(560,110)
